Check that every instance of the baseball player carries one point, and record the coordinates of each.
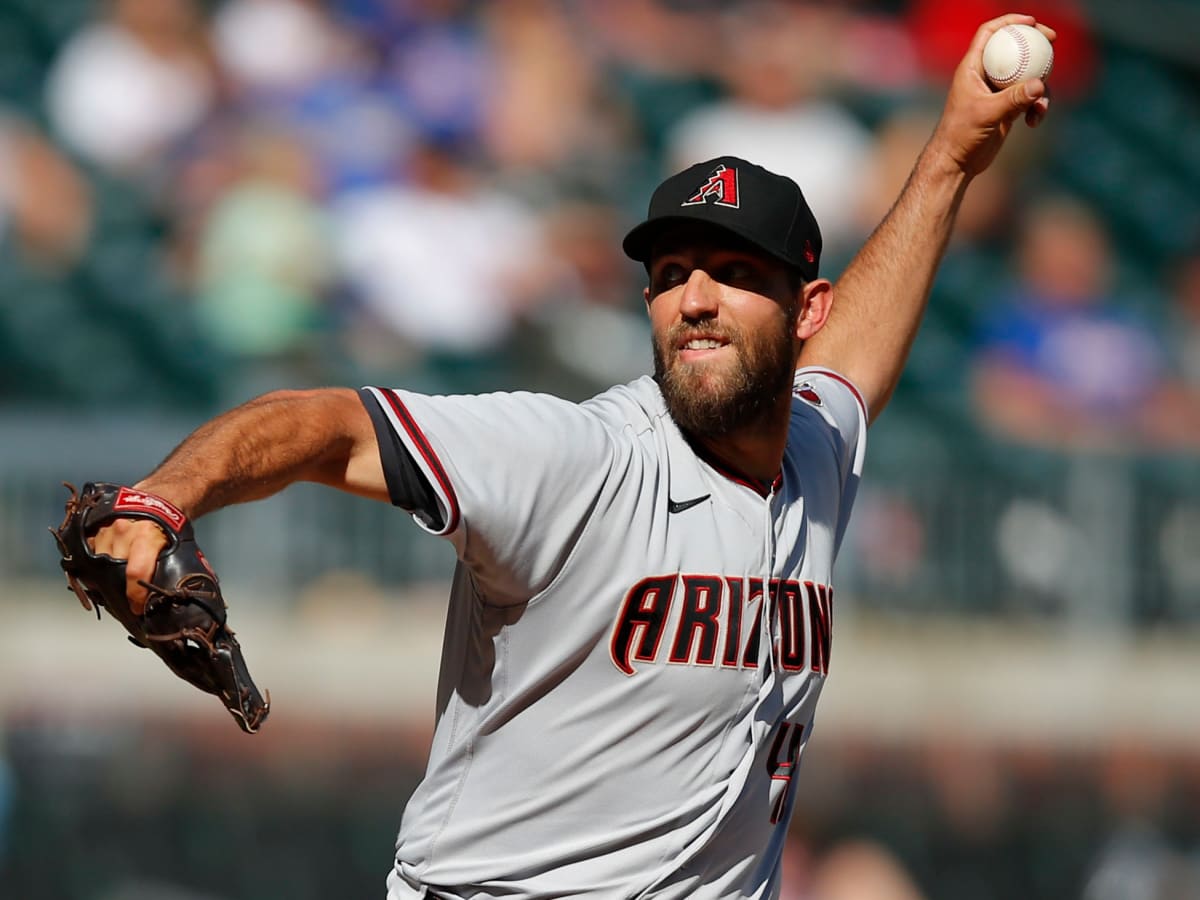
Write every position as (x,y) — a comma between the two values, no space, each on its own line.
(639,622)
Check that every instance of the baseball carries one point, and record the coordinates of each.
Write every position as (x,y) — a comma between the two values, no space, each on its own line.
(1017,53)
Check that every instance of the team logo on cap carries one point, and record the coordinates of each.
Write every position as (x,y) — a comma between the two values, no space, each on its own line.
(721,187)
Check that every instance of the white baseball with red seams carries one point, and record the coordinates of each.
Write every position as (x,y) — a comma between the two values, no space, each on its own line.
(1017,53)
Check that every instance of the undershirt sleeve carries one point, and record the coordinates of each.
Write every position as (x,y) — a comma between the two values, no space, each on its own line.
(408,488)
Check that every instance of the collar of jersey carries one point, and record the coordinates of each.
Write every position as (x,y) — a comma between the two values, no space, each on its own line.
(760,486)
(688,481)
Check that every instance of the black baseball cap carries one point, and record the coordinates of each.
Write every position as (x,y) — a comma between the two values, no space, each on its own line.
(766,209)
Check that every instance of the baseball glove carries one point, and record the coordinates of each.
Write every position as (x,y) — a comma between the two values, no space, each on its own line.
(184,618)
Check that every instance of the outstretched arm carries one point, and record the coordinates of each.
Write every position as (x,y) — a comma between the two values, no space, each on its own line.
(261,447)
(880,298)
(249,453)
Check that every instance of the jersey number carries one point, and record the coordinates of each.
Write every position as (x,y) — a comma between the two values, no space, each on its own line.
(782,767)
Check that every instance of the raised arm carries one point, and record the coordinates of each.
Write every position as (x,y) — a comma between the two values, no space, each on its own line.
(249,453)
(880,298)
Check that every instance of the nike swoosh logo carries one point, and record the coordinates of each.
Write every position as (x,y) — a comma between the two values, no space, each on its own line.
(678,506)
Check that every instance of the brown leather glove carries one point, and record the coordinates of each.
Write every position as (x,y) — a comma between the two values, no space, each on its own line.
(184,618)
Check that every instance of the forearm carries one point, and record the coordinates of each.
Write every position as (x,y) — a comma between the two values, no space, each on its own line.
(261,447)
(881,297)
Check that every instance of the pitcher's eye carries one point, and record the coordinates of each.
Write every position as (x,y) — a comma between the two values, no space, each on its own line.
(667,276)
(738,274)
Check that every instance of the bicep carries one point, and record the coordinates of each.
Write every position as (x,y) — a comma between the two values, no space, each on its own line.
(880,298)
(364,472)
(866,349)
(353,463)
(873,373)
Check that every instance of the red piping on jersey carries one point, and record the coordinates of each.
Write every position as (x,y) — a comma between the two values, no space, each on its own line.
(427,452)
(758,485)
(844,380)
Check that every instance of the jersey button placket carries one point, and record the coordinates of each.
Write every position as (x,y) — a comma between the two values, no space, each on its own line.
(766,637)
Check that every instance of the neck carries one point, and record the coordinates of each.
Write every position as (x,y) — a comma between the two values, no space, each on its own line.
(755,449)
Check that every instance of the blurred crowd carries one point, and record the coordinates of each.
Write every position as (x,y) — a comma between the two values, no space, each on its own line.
(208,199)
(221,197)
(432,192)
(230,196)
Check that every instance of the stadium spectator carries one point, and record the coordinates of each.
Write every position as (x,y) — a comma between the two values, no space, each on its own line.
(655,58)
(441,261)
(129,85)
(317,82)
(45,204)
(775,61)
(304,46)
(263,264)
(541,88)
(594,332)
(1061,362)
(1139,858)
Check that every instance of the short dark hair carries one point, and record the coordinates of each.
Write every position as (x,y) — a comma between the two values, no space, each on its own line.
(796,279)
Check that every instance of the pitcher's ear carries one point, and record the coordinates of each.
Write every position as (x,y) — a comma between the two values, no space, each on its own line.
(816,301)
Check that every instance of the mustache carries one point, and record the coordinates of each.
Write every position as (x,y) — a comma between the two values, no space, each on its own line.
(679,334)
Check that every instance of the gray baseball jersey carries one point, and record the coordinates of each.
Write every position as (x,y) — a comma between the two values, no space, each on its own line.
(635,644)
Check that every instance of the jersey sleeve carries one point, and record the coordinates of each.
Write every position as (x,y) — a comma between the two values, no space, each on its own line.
(515,478)
(830,415)
(407,484)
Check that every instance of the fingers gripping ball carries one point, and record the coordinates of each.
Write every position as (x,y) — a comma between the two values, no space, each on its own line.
(184,618)
(1017,53)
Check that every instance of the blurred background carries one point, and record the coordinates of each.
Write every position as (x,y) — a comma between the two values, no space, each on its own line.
(201,201)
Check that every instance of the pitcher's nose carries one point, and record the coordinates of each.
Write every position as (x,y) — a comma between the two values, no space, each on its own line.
(701,296)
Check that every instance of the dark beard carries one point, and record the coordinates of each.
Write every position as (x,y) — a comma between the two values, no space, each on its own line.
(743,398)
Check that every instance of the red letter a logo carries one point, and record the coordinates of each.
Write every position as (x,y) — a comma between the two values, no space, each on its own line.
(721,187)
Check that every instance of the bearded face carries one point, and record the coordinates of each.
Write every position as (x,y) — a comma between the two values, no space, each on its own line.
(737,390)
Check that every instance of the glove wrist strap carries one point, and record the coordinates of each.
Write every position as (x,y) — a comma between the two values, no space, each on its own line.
(134,500)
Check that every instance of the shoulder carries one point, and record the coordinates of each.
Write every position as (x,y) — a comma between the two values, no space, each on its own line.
(829,418)
(823,394)
(637,406)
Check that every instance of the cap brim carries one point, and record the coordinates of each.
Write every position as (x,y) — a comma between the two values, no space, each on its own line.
(639,243)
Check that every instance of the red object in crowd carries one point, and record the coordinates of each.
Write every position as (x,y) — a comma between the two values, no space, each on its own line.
(942,28)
